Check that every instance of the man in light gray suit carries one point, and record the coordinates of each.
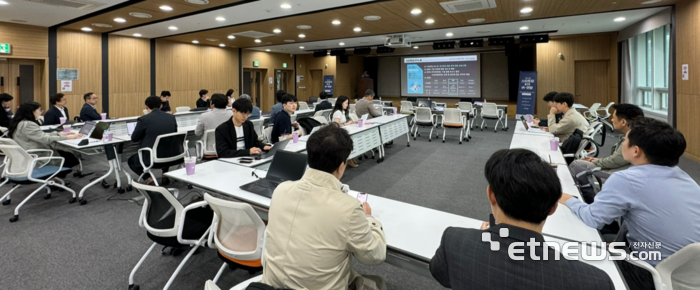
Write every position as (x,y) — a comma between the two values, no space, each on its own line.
(214,118)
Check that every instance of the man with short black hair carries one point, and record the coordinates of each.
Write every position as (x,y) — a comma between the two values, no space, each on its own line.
(520,208)
(165,98)
(658,201)
(315,230)
(237,137)
(571,121)
(89,111)
(365,106)
(277,107)
(212,119)
(203,101)
(57,110)
(256,111)
(6,101)
(324,104)
(148,128)
(549,98)
(282,128)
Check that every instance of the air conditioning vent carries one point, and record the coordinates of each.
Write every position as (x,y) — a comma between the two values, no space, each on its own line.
(253,34)
(76,4)
(468,5)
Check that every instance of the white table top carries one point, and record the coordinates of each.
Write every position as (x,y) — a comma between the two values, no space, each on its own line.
(292,147)
(93,143)
(538,144)
(520,129)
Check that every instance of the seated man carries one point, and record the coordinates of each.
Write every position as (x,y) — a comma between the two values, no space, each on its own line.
(549,98)
(6,100)
(315,229)
(57,110)
(282,126)
(659,202)
(212,119)
(324,104)
(571,121)
(520,206)
(277,107)
(165,98)
(148,128)
(365,106)
(622,116)
(236,137)
(256,111)
(203,101)
(89,111)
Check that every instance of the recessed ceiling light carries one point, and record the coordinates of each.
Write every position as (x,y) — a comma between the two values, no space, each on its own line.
(357,29)
(372,18)
(620,19)
(476,20)
(268,49)
(119,20)
(429,21)
(277,31)
(301,47)
(289,40)
(231,37)
(195,41)
(137,34)
(286,6)
(166,8)
(303,26)
(103,25)
(416,11)
(302,35)
(449,34)
(650,2)
(86,29)
(3,2)
(140,15)
(220,18)
(222,45)
(258,41)
(526,10)
(524,28)
(173,28)
(198,2)
(341,44)
(415,47)
(336,22)
(212,39)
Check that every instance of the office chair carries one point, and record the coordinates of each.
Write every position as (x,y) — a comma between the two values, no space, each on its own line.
(351,108)
(258,126)
(676,272)
(489,111)
(468,106)
(293,118)
(303,106)
(321,119)
(237,233)
(426,104)
(379,107)
(170,150)
(424,118)
(26,167)
(603,118)
(206,147)
(326,114)
(592,113)
(182,109)
(173,224)
(332,101)
(267,135)
(453,118)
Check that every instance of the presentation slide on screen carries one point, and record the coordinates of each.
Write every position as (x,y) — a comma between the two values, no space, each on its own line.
(457,76)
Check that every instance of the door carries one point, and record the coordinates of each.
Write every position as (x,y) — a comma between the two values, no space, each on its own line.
(591,82)
(316,82)
(247,81)
(258,86)
(25,82)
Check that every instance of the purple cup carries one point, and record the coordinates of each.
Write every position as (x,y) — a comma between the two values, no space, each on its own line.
(110,136)
(61,120)
(295,138)
(553,144)
(528,118)
(104,116)
(189,165)
(359,123)
(66,128)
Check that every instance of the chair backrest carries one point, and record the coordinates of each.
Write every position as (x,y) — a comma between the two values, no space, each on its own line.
(593,111)
(489,109)
(326,114)
(465,106)
(453,116)
(238,231)
(267,135)
(183,109)
(161,210)
(293,118)
(170,147)
(332,101)
(18,161)
(607,108)
(303,106)
(321,119)
(313,100)
(209,140)
(424,114)
(258,126)
(406,107)
(680,270)
(351,108)
(376,102)
(379,107)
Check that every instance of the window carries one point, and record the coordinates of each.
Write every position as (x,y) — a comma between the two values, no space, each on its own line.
(650,68)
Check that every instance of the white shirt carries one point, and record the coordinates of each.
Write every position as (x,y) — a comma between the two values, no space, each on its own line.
(63,111)
(240,140)
(340,115)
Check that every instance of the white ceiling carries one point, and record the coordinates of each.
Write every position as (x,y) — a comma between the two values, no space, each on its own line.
(570,25)
(244,13)
(39,14)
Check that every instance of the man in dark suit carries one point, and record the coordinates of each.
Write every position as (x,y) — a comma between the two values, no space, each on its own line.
(283,126)
(324,104)
(57,110)
(203,101)
(148,128)
(6,101)
(89,111)
(237,137)
(523,190)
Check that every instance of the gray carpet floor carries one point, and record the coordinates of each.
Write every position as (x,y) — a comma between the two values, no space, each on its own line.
(56,245)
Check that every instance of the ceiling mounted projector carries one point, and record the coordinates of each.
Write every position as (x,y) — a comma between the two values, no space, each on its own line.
(398,40)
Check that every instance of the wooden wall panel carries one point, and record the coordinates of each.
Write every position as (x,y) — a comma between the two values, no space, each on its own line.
(184,69)
(306,63)
(688,120)
(82,51)
(688,92)
(268,62)
(346,77)
(129,75)
(27,41)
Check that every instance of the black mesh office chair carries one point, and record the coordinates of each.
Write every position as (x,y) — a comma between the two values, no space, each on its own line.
(170,150)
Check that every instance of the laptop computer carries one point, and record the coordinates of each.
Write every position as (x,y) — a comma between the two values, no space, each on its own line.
(279,146)
(364,117)
(286,166)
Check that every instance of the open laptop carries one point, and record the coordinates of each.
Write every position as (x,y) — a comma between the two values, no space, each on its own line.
(364,117)
(279,146)
(130,127)
(286,166)
(528,127)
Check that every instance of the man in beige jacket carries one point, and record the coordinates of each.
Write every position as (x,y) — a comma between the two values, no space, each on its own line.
(315,229)
(571,121)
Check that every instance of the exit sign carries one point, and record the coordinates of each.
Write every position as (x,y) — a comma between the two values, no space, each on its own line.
(256,63)
(5,48)
(284,65)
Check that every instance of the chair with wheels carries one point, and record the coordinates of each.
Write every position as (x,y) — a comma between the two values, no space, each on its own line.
(677,272)
(424,117)
(592,113)
(351,108)
(26,167)
(182,109)
(453,118)
(206,148)
(172,224)
(489,111)
(332,101)
(237,233)
(468,106)
(170,150)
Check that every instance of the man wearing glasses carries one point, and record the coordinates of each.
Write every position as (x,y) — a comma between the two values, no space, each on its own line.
(237,137)
(89,111)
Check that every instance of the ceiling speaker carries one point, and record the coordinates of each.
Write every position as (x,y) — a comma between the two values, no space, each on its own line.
(320,53)
(384,49)
(471,43)
(498,41)
(362,50)
(444,45)
(541,38)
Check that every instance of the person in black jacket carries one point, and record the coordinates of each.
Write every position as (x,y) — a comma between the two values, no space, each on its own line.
(282,127)
(57,110)
(203,100)
(89,112)
(165,98)
(237,137)
(324,104)
(5,117)
(147,130)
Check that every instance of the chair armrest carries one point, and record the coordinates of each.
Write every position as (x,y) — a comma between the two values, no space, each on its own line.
(568,155)
(500,113)
(174,191)
(145,168)
(35,160)
(199,150)
(182,223)
(212,232)
(658,282)
(48,151)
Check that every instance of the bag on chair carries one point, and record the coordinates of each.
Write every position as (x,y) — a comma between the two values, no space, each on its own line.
(308,123)
(570,146)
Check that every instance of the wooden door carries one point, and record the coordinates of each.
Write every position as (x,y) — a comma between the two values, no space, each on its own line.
(591,82)
(316,82)
(35,92)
